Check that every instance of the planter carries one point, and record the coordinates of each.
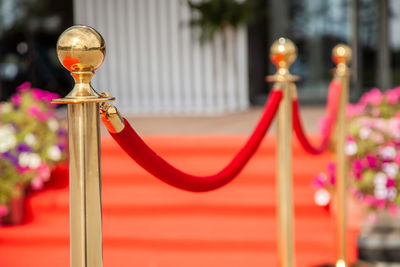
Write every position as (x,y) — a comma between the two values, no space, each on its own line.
(379,241)
(16,210)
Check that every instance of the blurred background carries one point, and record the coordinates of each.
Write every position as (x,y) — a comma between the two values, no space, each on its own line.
(172,57)
(170,64)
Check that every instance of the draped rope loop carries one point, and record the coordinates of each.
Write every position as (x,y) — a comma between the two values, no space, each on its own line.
(332,109)
(139,151)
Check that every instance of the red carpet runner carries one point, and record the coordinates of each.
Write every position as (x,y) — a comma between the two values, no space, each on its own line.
(148,223)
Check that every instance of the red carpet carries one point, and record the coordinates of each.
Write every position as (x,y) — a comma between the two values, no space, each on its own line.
(148,223)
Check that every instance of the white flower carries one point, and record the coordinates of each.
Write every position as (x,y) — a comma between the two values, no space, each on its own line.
(6,107)
(350,148)
(23,159)
(388,152)
(380,179)
(53,124)
(30,160)
(392,193)
(34,161)
(54,153)
(364,132)
(391,169)
(30,139)
(322,197)
(381,193)
(7,138)
(394,128)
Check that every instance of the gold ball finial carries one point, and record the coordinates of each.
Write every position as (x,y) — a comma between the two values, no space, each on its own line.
(81,48)
(341,53)
(283,53)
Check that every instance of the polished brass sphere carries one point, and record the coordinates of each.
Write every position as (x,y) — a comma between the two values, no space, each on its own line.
(341,53)
(283,53)
(81,48)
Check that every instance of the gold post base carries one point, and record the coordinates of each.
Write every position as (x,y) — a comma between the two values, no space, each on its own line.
(341,263)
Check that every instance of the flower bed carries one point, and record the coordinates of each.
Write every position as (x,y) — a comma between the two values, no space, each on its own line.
(32,140)
(373,150)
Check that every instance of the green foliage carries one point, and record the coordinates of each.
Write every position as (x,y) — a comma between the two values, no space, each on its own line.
(216,15)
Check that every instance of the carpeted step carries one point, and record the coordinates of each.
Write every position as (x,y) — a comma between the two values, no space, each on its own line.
(148,223)
(232,199)
(189,226)
(259,170)
(128,257)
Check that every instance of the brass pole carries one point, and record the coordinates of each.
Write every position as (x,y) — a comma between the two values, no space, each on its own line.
(341,56)
(283,53)
(81,50)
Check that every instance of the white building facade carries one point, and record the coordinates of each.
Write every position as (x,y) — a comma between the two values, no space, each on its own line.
(155,63)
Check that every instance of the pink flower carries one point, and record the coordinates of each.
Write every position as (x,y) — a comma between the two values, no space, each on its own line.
(320,180)
(36,112)
(392,208)
(16,99)
(394,125)
(353,110)
(369,200)
(350,139)
(44,172)
(371,160)
(22,169)
(380,203)
(331,168)
(33,110)
(24,87)
(390,182)
(373,97)
(357,168)
(42,95)
(374,202)
(397,158)
(3,210)
(37,183)
(392,96)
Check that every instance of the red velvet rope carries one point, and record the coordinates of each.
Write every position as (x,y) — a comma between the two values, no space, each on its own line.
(331,114)
(137,149)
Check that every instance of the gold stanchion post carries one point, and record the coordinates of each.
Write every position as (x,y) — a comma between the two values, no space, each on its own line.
(341,55)
(283,53)
(81,50)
